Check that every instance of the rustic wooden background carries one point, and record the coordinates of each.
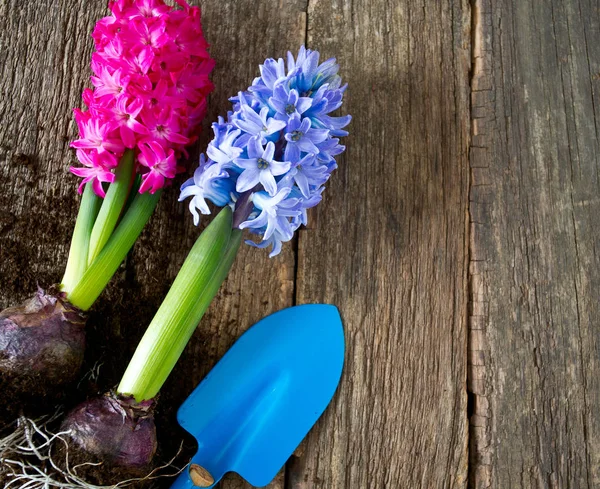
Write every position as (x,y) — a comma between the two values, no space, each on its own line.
(460,237)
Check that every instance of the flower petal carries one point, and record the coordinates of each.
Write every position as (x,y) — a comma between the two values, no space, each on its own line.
(248,179)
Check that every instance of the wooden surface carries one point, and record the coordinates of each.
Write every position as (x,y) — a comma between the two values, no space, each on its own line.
(388,247)
(460,236)
(535,245)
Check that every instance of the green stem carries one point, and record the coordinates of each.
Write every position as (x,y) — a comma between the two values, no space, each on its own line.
(105,265)
(78,253)
(195,286)
(112,206)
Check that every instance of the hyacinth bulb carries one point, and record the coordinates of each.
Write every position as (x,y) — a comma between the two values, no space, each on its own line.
(124,430)
(42,342)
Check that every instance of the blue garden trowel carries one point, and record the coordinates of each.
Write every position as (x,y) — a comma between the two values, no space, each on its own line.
(254,408)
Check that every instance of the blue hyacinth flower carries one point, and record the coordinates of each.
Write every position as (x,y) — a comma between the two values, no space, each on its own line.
(270,158)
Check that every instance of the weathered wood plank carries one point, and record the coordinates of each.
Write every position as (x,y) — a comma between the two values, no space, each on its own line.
(388,247)
(45,50)
(242,34)
(44,59)
(535,261)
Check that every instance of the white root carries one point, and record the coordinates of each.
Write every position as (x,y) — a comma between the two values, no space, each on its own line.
(28,459)
(91,375)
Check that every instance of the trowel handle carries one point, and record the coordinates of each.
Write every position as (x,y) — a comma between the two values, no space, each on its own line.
(192,477)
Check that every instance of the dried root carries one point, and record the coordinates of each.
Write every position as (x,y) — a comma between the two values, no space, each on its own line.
(32,456)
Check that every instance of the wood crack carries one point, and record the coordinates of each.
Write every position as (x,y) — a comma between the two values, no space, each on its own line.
(479,468)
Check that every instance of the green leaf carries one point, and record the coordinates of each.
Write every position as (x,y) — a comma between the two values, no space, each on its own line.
(112,206)
(99,273)
(78,253)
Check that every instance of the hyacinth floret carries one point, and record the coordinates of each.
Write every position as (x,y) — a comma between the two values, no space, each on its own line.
(151,78)
(276,149)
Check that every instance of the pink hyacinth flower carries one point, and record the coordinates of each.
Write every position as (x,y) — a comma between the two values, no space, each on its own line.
(151,79)
(125,116)
(99,136)
(97,169)
(161,165)
(109,84)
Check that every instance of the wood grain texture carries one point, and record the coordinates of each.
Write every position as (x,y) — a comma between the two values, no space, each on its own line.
(44,58)
(535,256)
(387,246)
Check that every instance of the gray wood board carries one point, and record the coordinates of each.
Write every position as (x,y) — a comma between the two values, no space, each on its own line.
(535,232)
(388,247)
